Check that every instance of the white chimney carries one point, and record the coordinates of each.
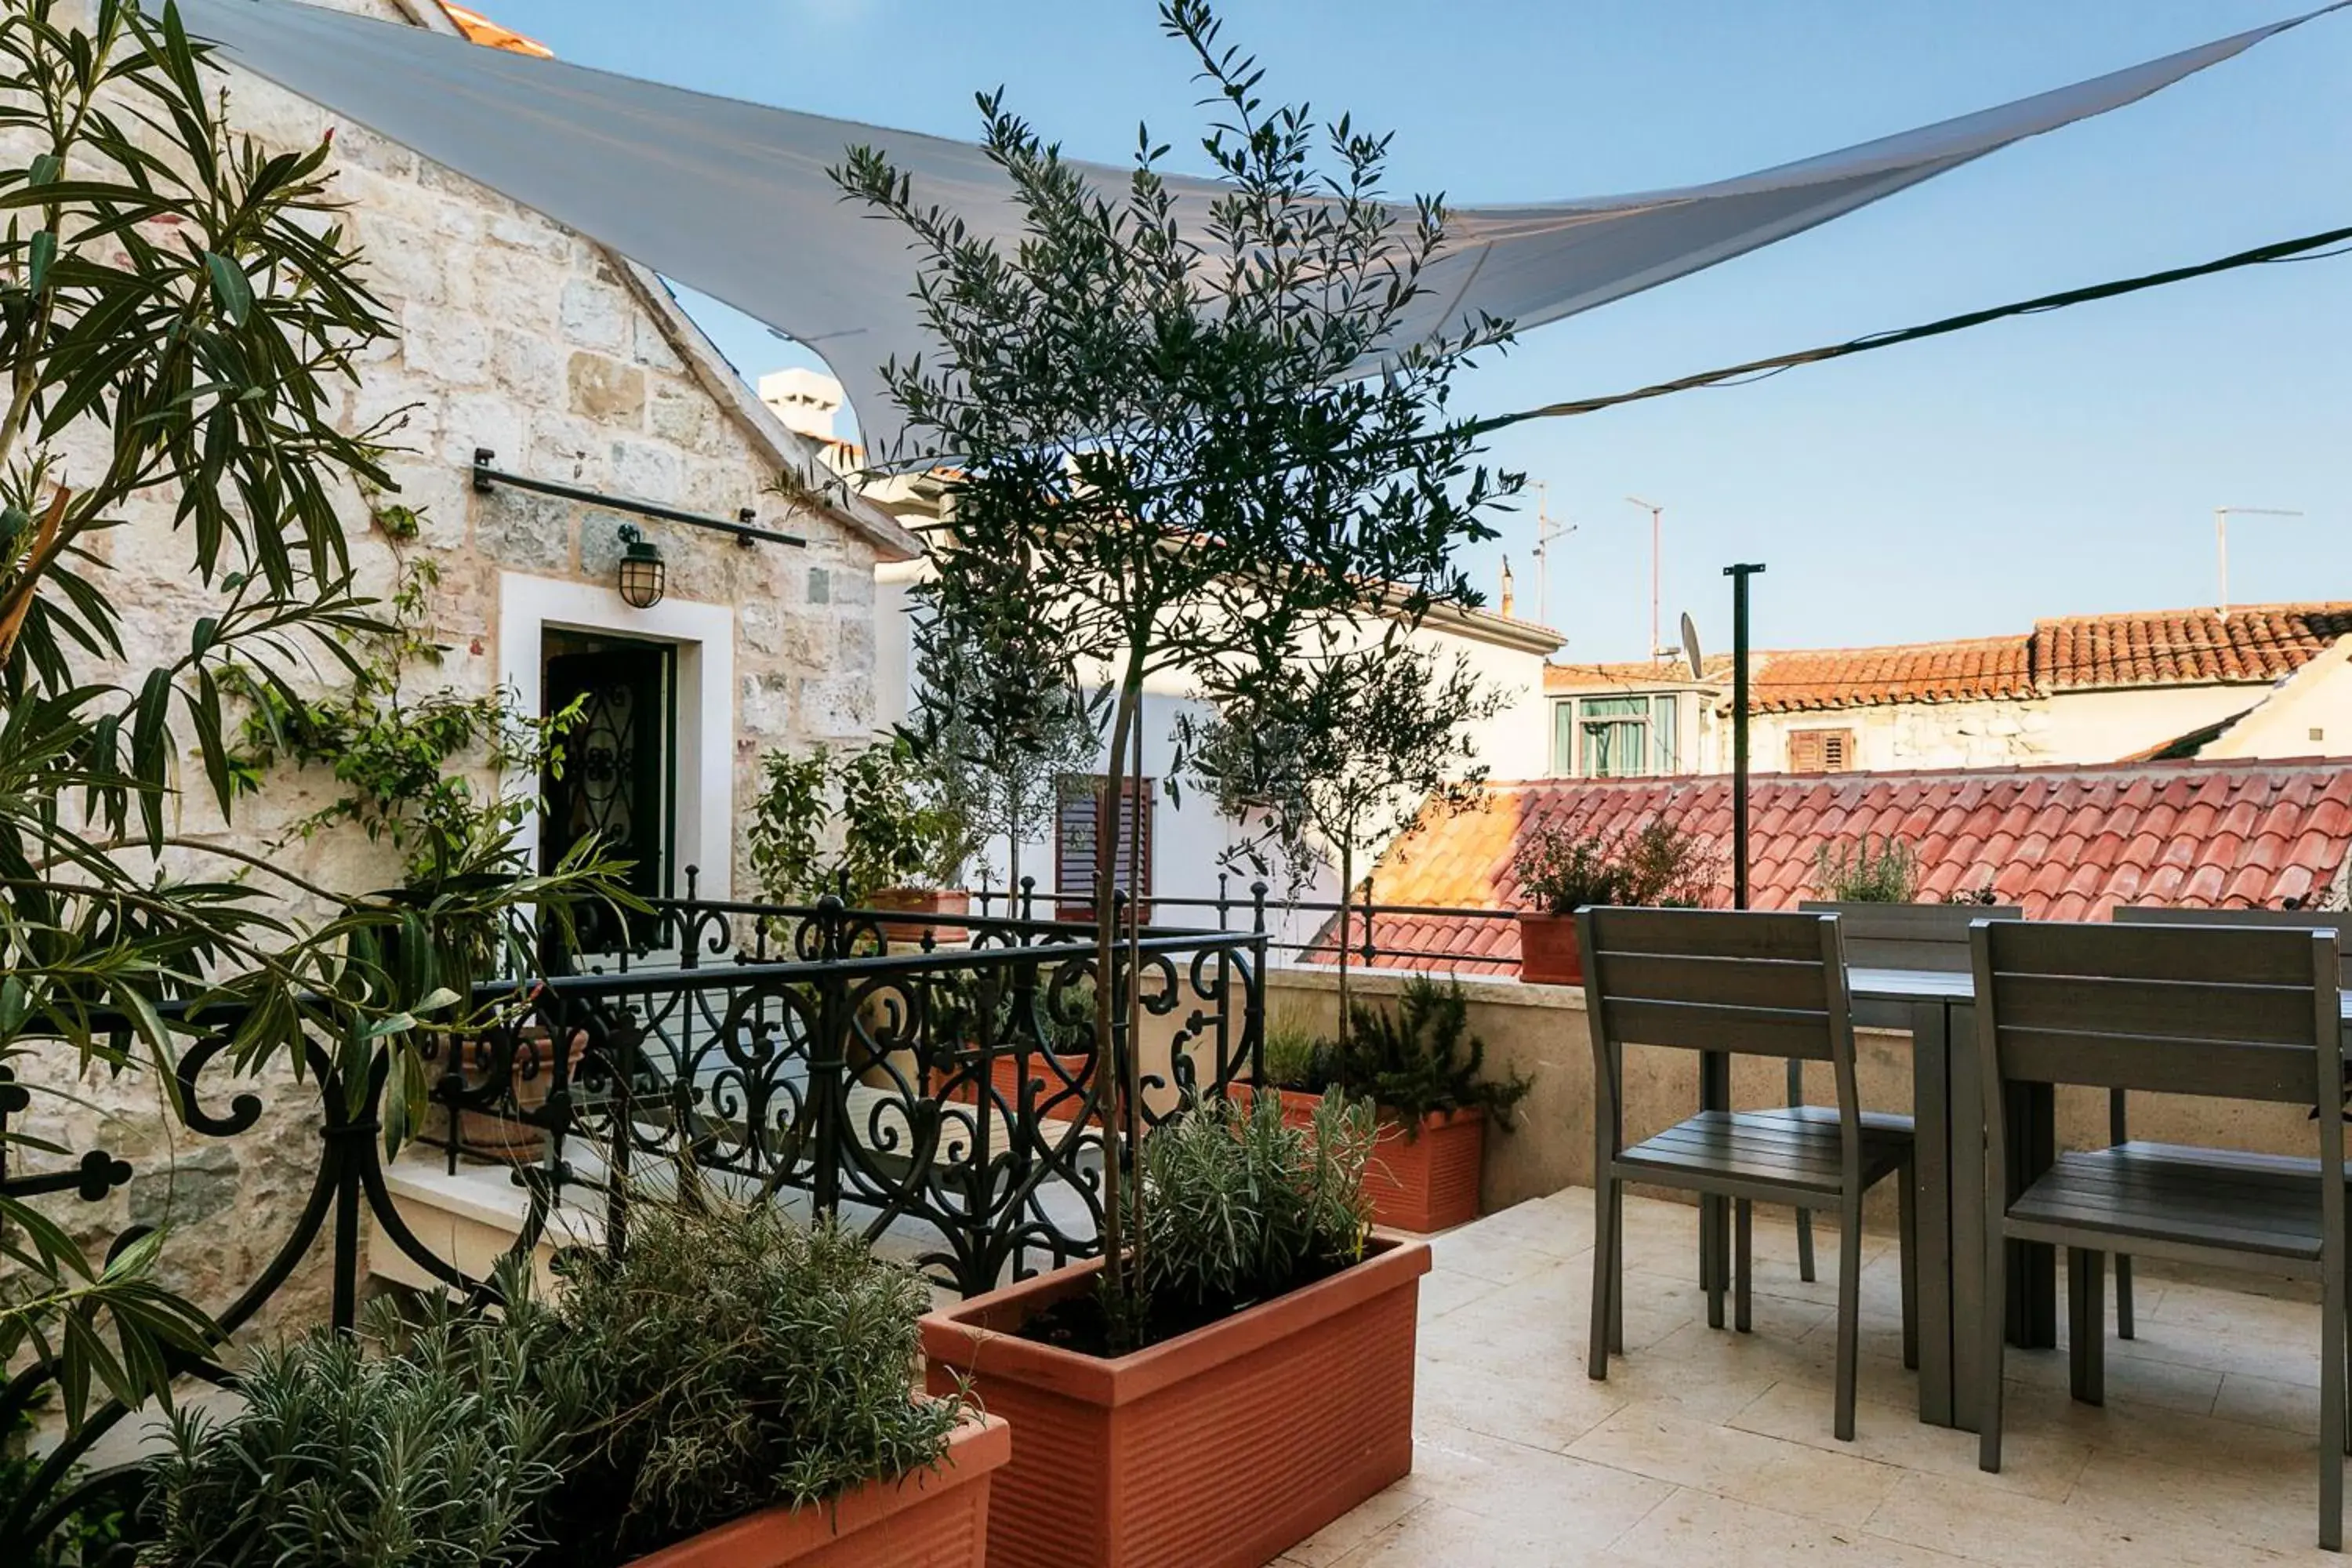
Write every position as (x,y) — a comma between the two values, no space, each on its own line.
(807,401)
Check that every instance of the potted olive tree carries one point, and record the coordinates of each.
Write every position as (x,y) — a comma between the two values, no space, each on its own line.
(1171,470)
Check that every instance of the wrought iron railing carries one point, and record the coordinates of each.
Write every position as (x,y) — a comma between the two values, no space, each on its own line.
(929,1079)
(1328,929)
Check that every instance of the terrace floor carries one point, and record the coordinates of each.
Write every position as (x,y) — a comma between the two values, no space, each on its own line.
(1706,1447)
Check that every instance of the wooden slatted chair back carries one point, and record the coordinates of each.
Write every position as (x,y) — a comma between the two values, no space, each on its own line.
(1910,936)
(1745,983)
(2337,920)
(1733,982)
(2233,1012)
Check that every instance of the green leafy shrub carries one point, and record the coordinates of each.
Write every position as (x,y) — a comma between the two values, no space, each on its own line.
(1243,1208)
(741,1360)
(1421,1059)
(898,826)
(426,1444)
(1864,872)
(1666,866)
(1561,870)
(1293,1055)
(85,1536)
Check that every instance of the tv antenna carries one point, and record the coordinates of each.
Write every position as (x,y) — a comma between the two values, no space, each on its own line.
(1657,649)
(1546,531)
(2221,516)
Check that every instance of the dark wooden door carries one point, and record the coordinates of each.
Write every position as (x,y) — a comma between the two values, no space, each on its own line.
(613,775)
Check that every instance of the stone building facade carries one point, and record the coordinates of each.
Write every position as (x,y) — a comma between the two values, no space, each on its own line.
(571,364)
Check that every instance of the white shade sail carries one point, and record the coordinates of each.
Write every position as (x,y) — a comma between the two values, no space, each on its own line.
(732,198)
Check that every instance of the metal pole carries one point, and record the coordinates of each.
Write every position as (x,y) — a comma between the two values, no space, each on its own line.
(1739,575)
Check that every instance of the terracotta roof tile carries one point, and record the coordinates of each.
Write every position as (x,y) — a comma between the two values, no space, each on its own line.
(481,29)
(2254,645)
(2065,843)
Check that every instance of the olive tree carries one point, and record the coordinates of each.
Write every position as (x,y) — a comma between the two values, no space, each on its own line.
(1328,767)
(1190,435)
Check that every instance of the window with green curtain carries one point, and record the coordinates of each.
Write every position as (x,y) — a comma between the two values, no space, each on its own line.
(1563,740)
(1665,733)
(1613,732)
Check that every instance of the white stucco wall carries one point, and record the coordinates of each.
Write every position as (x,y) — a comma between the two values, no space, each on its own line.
(2307,715)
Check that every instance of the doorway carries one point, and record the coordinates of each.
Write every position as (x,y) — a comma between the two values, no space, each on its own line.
(614,775)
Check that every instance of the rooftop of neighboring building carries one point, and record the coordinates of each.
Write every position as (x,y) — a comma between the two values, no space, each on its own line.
(2068,843)
(2250,644)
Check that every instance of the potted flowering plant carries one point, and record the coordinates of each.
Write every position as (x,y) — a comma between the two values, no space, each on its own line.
(1561,870)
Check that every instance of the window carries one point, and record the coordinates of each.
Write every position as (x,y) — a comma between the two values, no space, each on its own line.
(1617,737)
(1075,840)
(1821,751)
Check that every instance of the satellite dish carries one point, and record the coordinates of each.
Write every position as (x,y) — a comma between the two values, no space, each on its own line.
(1690,645)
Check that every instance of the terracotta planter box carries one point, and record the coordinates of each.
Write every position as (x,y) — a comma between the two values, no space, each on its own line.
(1219,1448)
(485,1136)
(1549,954)
(932,1518)
(923,902)
(1004,1075)
(1428,1183)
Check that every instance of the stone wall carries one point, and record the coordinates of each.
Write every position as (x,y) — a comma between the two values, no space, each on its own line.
(517,335)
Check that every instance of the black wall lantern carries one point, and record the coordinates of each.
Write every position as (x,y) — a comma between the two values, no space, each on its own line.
(643,578)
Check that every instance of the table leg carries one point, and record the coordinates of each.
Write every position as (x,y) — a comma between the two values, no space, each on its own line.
(1931,1177)
(1965,1123)
(1714,1213)
(2032,1304)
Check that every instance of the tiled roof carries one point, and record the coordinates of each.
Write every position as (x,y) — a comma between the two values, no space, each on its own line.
(2254,645)
(1977,670)
(482,30)
(1644,675)
(2183,647)
(2063,843)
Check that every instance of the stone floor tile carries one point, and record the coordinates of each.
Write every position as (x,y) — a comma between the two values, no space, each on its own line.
(1667,1442)
(2043,1464)
(2266,1402)
(1695,1527)
(1967,1517)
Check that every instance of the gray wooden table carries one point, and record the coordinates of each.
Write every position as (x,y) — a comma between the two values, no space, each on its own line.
(1946,1099)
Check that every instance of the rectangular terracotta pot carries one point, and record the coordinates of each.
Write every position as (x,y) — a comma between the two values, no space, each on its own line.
(1549,953)
(1004,1075)
(932,1518)
(909,934)
(1424,1182)
(1219,1448)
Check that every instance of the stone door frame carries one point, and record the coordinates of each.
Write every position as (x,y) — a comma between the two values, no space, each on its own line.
(704,636)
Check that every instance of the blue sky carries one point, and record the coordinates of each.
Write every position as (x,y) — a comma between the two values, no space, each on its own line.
(1965,487)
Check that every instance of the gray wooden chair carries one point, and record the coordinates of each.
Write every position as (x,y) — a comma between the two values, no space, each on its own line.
(2118,1112)
(2225,1012)
(1891,936)
(1751,984)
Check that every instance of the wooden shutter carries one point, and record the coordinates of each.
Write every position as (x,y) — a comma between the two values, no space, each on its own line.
(1076,846)
(1821,751)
